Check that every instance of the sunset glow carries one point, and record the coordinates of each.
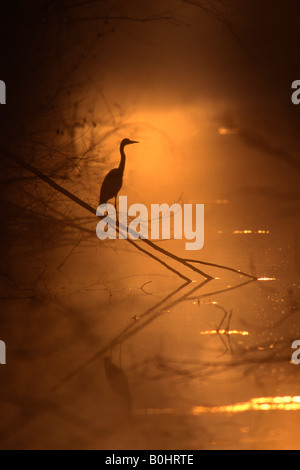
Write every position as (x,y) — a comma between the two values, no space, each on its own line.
(254,404)
(150,230)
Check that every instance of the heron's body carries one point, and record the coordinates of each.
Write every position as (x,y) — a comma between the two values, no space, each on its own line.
(111,185)
(114,179)
(118,382)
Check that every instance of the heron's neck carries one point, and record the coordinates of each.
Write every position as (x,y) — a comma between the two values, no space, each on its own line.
(123,160)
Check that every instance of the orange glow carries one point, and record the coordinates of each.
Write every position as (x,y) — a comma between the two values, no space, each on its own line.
(288,403)
(224,332)
(217,201)
(247,232)
(224,131)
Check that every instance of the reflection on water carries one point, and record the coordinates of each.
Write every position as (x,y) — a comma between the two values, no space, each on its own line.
(250,232)
(255,404)
(225,332)
(102,333)
(151,322)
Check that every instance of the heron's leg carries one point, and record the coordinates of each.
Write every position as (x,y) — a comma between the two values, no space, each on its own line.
(116,207)
(222,321)
(219,329)
(229,320)
(227,332)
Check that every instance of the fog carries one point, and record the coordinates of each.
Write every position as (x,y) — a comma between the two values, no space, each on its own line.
(133,345)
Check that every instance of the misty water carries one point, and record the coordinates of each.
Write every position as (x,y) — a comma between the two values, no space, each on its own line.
(119,345)
(118,352)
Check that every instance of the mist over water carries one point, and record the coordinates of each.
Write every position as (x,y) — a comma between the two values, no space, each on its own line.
(118,345)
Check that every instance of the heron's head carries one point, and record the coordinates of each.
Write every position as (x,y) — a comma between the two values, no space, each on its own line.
(128,142)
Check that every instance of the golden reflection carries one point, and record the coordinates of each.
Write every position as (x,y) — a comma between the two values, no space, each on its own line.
(255,404)
(267,279)
(287,403)
(224,332)
(255,232)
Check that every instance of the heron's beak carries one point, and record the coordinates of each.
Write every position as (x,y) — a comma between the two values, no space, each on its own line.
(134,142)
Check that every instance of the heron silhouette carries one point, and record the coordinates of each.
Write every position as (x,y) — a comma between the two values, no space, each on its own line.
(118,382)
(114,179)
